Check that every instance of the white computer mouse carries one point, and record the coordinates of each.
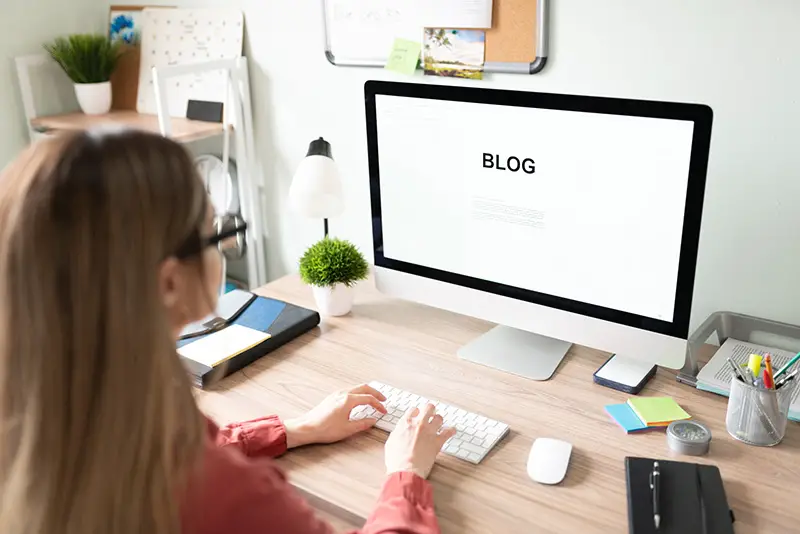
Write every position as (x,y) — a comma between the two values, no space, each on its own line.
(548,460)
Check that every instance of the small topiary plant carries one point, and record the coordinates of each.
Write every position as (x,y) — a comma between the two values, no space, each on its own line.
(86,58)
(333,261)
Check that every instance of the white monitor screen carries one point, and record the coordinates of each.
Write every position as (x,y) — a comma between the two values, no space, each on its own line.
(578,205)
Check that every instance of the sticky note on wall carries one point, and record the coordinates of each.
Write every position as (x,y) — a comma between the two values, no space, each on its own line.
(404,57)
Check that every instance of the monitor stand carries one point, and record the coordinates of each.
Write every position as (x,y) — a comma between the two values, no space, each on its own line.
(517,352)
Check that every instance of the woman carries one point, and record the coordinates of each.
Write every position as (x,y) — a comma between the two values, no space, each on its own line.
(105,256)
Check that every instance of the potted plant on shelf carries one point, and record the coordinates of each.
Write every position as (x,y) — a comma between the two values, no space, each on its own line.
(88,60)
(332,267)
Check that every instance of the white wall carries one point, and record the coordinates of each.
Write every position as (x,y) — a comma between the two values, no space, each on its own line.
(742,62)
(25,25)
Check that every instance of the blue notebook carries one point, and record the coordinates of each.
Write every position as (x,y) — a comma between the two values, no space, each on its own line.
(281,320)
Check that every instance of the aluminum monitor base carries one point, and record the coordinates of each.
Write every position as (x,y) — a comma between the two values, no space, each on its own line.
(517,352)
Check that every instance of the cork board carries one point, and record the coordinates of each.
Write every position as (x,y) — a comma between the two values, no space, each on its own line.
(512,39)
(360,33)
(125,80)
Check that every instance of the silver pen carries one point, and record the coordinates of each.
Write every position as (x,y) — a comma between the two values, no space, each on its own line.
(655,488)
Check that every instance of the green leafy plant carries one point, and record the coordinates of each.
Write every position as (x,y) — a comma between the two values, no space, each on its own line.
(86,58)
(333,261)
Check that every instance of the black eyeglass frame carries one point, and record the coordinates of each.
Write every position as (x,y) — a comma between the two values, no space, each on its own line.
(196,246)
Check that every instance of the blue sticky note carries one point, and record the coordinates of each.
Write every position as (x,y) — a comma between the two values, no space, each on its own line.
(626,417)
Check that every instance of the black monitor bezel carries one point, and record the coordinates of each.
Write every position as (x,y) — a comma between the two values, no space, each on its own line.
(700,115)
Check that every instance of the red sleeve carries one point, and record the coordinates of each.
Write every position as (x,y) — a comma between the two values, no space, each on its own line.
(404,507)
(273,505)
(260,437)
(259,498)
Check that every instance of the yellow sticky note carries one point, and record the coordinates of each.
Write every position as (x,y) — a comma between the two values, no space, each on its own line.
(404,57)
(657,411)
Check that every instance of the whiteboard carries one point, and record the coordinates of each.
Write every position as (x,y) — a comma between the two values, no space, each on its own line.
(364,31)
(183,36)
(361,33)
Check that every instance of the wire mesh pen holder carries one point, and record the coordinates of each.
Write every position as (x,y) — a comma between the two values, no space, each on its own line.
(759,416)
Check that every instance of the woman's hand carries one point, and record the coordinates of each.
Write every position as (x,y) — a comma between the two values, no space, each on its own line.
(416,441)
(330,420)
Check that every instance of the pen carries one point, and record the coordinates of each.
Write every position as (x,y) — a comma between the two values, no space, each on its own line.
(749,378)
(787,366)
(736,372)
(787,378)
(769,382)
(655,486)
(755,365)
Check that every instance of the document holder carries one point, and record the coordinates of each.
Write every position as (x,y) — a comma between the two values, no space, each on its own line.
(281,320)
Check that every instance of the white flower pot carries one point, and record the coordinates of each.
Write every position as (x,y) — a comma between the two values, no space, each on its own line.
(94,98)
(334,301)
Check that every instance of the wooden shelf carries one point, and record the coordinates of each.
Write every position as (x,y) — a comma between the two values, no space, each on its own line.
(183,130)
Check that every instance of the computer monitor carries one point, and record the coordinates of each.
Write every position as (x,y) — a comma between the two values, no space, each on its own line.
(563,219)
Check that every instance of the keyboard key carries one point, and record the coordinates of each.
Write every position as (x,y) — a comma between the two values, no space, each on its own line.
(384,425)
(472,457)
(470,431)
(494,430)
(472,448)
(480,434)
(477,441)
(463,454)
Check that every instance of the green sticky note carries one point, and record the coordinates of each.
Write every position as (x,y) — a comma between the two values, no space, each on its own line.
(657,411)
(404,56)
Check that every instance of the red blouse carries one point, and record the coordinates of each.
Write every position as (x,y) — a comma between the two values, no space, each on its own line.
(242,491)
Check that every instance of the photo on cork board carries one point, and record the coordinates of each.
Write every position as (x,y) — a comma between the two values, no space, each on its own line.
(454,53)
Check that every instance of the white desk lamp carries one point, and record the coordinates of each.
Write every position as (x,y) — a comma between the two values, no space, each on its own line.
(316,189)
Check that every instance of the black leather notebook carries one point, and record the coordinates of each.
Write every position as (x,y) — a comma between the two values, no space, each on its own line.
(692,498)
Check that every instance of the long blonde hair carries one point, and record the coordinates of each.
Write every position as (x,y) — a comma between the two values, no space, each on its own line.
(98,425)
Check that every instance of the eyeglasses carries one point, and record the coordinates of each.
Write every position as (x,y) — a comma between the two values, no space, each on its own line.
(197,244)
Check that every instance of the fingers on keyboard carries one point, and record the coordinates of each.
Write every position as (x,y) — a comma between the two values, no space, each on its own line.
(475,434)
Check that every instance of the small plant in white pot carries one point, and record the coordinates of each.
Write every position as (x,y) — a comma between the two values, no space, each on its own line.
(88,60)
(332,267)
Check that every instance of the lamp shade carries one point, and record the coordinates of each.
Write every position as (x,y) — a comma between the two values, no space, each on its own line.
(316,189)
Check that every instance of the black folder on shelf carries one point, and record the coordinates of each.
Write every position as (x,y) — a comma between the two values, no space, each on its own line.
(692,498)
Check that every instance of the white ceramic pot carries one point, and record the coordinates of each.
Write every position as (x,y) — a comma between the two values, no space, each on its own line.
(94,98)
(334,301)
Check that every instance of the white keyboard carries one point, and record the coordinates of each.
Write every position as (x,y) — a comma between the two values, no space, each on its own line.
(475,434)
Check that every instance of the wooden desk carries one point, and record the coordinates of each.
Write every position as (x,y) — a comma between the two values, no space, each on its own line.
(413,347)
(183,130)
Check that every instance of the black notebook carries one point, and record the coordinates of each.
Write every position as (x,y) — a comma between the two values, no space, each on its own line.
(692,498)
